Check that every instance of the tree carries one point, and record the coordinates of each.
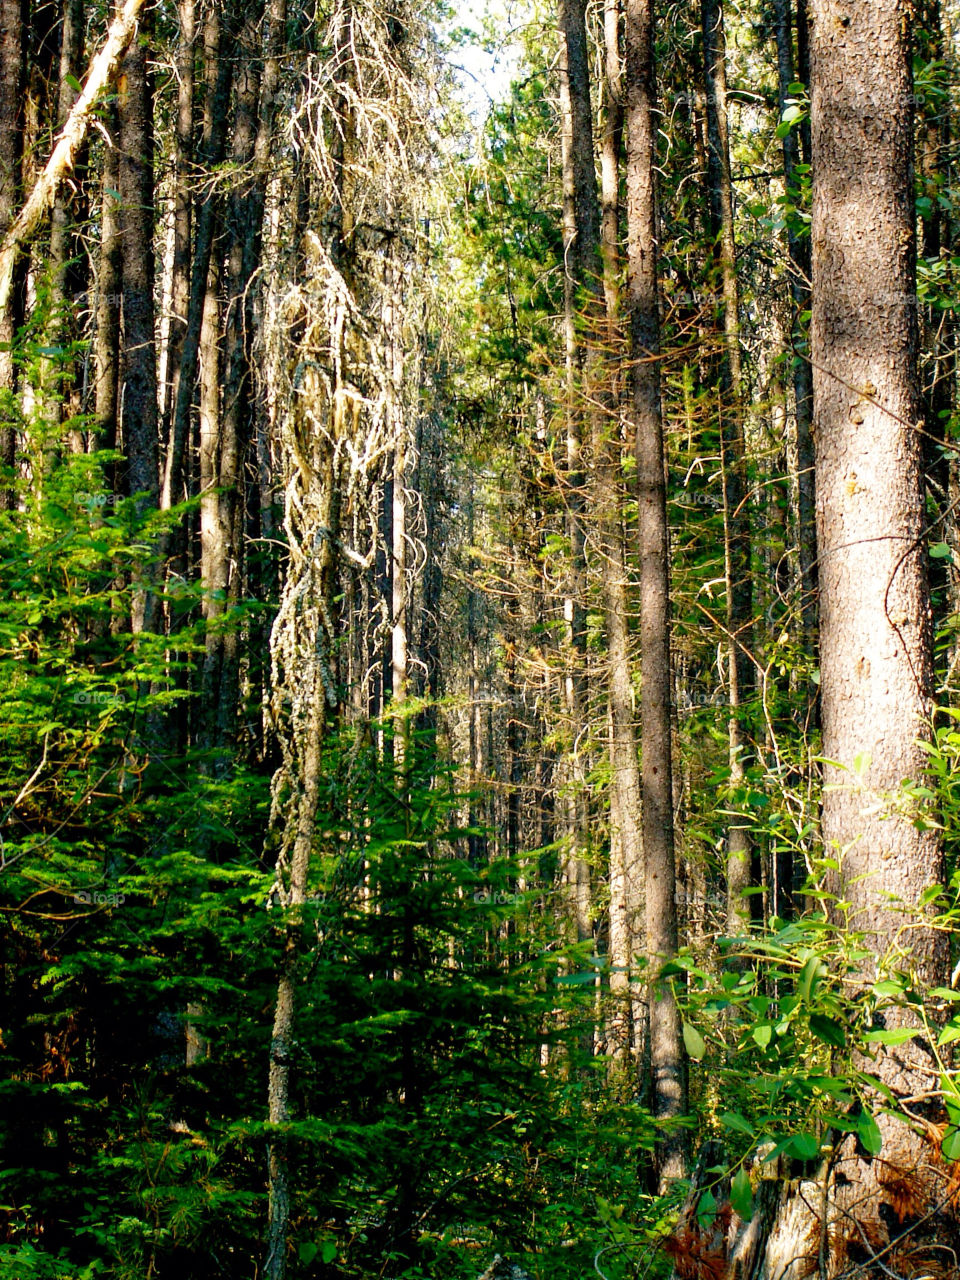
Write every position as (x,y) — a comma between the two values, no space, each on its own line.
(659,864)
(875,621)
(736,513)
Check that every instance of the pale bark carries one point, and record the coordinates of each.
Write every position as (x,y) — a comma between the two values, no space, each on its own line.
(100,74)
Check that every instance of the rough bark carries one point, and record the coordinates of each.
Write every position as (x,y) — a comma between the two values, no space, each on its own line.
(659,862)
(234,426)
(140,441)
(732,448)
(890,1214)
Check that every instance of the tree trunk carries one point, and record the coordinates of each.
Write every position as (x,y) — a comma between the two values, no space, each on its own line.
(67,262)
(140,443)
(604,417)
(659,866)
(799,247)
(11,137)
(214,551)
(890,1214)
(226,548)
(732,450)
(182,209)
(106,346)
(215,114)
(576,868)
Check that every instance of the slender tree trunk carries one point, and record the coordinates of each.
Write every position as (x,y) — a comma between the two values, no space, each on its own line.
(11,137)
(576,868)
(182,209)
(215,114)
(666,1054)
(140,442)
(106,346)
(610,171)
(799,247)
(213,553)
(67,263)
(604,418)
(236,409)
(284,1021)
(732,450)
(610,495)
(241,396)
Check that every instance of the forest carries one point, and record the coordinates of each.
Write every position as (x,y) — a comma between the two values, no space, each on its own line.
(479,639)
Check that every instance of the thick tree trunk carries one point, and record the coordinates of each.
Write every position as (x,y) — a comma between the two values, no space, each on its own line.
(732,449)
(890,1214)
(659,865)
(875,615)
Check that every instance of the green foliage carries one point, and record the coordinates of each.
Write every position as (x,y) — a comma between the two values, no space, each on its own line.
(786,1031)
